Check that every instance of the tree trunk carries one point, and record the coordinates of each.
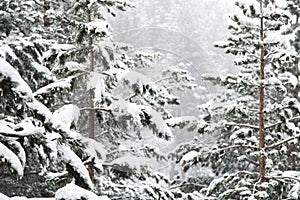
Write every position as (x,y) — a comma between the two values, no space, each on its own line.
(91,98)
(296,91)
(262,159)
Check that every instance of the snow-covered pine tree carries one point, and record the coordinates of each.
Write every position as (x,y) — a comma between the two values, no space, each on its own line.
(293,6)
(33,140)
(255,121)
(106,80)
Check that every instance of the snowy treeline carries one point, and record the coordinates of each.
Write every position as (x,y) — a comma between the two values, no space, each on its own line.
(80,118)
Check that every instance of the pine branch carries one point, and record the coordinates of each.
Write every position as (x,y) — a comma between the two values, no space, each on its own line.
(242,125)
(251,161)
(282,142)
(278,123)
(236,147)
(10,134)
(282,177)
(247,173)
(100,109)
(187,184)
(97,109)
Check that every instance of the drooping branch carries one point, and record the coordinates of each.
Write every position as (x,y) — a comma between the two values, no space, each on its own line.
(11,135)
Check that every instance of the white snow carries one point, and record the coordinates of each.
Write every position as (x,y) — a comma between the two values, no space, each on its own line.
(66,115)
(134,110)
(133,77)
(5,127)
(41,109)
(96,82)
(3,197)
(21,154)
(98,26)
(29,128)
(22,87)
(64,47)
(133,161)
(64,83)
(74,192)
(157,119)
(71,158)
(291,174)
(294,193)
(5,49)
(188,157)
(12,159)
(95,147)
(42,69)
(179,120)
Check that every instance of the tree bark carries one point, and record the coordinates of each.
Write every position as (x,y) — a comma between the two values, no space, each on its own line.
(296,91)
(91,98)
(262,159)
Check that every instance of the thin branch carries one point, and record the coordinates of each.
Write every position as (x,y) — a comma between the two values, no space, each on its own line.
(277,123)
(187,184)
(10,134)
(247,173)
(251,161)
(282,177)
(282,142)
(236,147)
(243,125)
(100,109)
(96,109)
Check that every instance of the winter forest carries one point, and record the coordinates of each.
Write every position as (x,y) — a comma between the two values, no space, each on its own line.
(149,99)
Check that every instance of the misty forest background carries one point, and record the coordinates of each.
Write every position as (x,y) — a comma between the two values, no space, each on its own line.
(161,99)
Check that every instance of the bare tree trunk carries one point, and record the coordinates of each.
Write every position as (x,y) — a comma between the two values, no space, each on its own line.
(91,98)
(262,159)
(296,91)
(292,147)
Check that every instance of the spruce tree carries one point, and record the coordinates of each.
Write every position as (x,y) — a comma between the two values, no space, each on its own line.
(255,118)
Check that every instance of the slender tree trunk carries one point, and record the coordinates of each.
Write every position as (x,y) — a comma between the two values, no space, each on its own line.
(45,18)
(262,159)
(91,98)
(296,91)
(292,147)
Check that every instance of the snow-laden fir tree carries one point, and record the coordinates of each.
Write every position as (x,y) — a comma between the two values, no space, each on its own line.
(33,140)
(255,120)
(96,80)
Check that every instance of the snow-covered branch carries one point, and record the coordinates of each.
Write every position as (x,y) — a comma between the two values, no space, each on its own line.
(237,147)
(278,123)
(97,109)
(184,184)
(282,177)
(282,142)
(242,125)
(10,134)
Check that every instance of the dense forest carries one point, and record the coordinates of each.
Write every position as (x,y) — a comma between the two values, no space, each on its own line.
(119,99)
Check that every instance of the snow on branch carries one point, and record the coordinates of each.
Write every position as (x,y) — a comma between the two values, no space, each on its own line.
(297,118)
(12,159)
(74,192)
(242,125)
(283,142)
(21,87)
(75,162)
